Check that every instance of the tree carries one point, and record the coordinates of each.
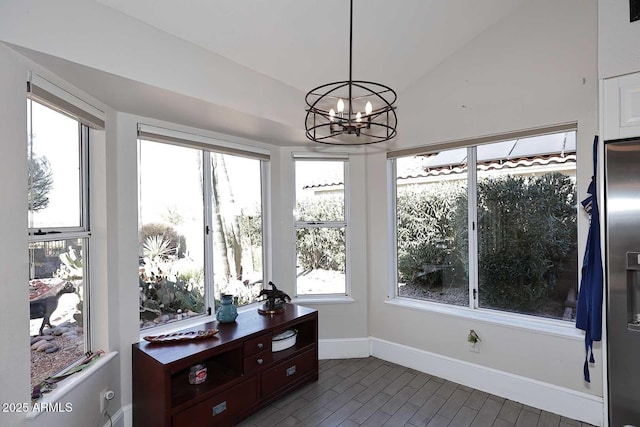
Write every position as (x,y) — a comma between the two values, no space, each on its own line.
(40,182)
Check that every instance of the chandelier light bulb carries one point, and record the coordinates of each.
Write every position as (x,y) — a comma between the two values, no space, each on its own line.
(358,117)
(332,114)
(368,108)
(340,105)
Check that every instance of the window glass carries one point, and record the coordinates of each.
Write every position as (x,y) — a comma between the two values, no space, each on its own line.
(53,160)
(171,255)
(320,227)
(237,227)
(526,231)
(58,244)
(432,227)
(200,238)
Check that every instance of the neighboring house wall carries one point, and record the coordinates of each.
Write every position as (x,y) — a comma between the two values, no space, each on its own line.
(536,68)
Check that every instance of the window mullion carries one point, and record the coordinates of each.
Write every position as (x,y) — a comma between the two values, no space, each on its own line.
(208,232)
(472,179)
(85,220)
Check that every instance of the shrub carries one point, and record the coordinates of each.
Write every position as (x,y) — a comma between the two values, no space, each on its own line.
(526,233)
(176,243)
(321,247)
(427,233)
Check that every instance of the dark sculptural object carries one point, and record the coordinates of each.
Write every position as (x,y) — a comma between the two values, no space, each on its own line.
(44,307)
(275,301)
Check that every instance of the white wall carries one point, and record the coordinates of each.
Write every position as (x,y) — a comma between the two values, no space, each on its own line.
(14,353)
(336,320)
(618,39)
(536,68)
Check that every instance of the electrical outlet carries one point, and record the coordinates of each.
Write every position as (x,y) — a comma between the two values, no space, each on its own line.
(105,396)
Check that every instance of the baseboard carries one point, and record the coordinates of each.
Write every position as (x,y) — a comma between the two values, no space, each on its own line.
(558,400)
(346,348)
(122,418)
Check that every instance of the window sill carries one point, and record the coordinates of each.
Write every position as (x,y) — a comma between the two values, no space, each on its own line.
(323,299)
(552,327)
(189,323)
(51,402)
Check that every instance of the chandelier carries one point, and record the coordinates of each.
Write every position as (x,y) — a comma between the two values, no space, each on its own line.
(351,112)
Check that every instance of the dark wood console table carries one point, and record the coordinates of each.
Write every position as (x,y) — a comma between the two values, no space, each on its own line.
(243,374)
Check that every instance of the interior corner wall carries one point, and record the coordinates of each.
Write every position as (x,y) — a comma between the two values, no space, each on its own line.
(337,321)
(535,68)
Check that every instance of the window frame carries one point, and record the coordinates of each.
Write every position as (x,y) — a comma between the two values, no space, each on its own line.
(344,224)
(209,146)
(83,231)
(473,311)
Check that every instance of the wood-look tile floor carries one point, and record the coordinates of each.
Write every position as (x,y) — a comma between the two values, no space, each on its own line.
(372,392)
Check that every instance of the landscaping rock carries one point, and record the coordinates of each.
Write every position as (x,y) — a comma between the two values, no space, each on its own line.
(51,349)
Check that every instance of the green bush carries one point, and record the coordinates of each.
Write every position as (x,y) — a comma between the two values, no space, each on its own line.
(426,229)
(176,243)
(526,234)
(321,248)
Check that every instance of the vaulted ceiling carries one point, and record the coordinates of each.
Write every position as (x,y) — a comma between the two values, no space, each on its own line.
(269,53)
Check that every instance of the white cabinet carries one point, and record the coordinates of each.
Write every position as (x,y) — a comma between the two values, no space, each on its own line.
(621,107)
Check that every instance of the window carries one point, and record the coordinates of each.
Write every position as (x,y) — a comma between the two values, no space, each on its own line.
(320,226)
(59,240)
(490,226)
(200,218)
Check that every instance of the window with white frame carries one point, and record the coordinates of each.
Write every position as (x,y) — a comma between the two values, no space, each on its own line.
(59,240)
(490,226)
(200,228)
(320,222)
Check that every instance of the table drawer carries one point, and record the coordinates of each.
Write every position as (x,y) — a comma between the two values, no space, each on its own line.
(257,361)
(220,410)
(288,372)
(257,345)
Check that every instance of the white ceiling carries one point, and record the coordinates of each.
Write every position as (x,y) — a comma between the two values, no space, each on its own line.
(166,59)
(304,43)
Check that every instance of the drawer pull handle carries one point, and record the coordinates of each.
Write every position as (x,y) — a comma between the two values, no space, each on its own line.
(260,361)
(291,370)
(220,408)
(260,345)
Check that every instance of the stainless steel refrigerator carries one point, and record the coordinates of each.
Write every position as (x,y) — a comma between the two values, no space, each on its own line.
(622,222)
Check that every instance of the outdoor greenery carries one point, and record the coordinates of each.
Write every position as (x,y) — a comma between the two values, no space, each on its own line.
(40,182)
(526,234)
(321,248)
(429,234)
(168,284)
(164,241)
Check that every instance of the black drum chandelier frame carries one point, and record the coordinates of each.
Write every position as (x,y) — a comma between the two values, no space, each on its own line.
(354,121)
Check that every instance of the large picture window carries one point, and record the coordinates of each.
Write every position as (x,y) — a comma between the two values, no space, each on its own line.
(200,236)
(491,226)
(320,226)
(59,239)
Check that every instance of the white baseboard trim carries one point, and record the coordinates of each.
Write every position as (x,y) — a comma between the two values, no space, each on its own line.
(552,398)
(122,418)
(346,348)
